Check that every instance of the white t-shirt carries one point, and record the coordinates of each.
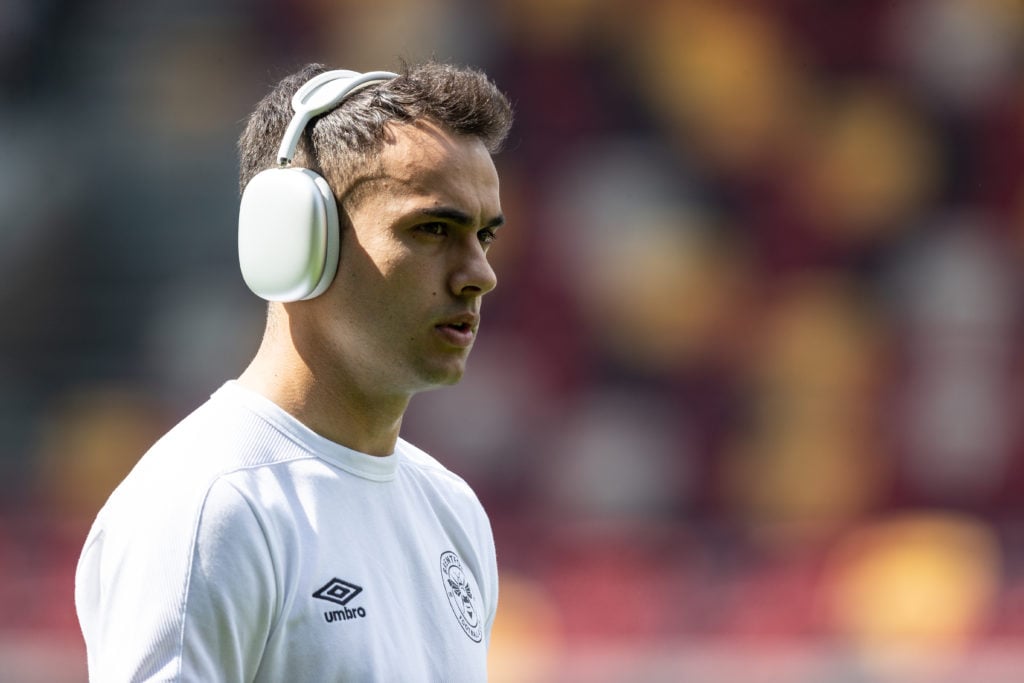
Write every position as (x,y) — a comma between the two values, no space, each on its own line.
(245,547)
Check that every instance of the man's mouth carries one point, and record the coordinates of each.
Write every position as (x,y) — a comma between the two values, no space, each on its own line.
(458,331)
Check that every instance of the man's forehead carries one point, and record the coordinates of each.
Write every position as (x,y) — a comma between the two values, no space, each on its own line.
(419,161)
(424,147)
(420,165)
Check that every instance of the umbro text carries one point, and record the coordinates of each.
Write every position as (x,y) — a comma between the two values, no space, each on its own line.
(344,614)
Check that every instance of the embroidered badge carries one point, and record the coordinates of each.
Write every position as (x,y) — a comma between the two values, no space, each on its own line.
(463,595)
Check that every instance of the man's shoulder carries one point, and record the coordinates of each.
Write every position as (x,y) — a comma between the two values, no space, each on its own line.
(230,430)
(421,464)
(219,437)
(417,458)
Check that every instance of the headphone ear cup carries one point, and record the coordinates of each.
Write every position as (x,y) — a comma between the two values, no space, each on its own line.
(288,238)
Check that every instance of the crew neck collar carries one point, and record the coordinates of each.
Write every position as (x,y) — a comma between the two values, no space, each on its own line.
(373,467)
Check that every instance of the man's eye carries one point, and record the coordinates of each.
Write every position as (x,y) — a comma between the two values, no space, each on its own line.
(487,235)
(439,229)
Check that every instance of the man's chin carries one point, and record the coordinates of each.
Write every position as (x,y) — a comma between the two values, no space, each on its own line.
(451,378)
(442,376)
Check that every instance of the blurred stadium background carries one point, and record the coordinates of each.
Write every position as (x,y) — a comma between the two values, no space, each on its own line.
(747,402)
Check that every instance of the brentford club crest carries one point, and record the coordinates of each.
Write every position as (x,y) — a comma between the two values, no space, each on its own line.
(463,595)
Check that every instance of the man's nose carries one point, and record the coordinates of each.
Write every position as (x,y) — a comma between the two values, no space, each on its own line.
(474,275)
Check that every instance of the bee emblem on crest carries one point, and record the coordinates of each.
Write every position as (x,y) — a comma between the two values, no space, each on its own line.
(462,592)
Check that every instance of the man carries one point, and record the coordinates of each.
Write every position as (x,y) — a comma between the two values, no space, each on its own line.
(284,531)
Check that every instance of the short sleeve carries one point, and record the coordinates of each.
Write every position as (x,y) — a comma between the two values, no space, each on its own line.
(173,596)
(230,600)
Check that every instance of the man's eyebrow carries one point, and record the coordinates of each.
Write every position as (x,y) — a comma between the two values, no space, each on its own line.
(458,217)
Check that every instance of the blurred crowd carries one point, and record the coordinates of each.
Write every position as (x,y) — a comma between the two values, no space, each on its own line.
(745,405)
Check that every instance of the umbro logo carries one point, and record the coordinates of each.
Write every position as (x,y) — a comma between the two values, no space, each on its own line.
(338,591)
(341,593)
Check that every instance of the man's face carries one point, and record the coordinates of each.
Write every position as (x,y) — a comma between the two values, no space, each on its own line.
(402,312)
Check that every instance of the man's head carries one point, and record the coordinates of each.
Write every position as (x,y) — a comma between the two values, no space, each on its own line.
(341,145)
(409,162)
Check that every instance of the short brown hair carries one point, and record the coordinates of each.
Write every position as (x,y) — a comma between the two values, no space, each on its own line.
(462,99)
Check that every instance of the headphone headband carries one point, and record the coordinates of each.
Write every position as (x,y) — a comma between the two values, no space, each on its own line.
(322,93)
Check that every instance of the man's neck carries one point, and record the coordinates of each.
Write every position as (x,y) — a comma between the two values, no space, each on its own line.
(326,402)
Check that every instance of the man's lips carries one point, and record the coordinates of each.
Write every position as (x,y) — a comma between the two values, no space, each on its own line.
(459,330)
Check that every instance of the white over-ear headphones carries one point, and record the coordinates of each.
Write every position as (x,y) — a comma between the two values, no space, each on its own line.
(288,221)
